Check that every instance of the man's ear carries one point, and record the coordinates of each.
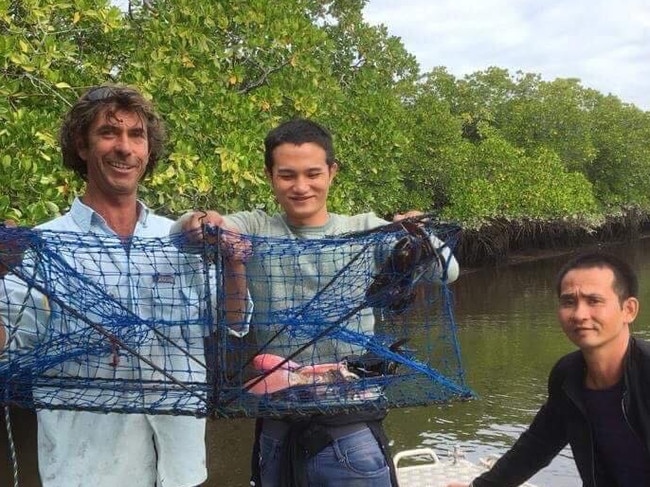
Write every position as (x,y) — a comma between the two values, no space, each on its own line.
(334,167)
(82,148)
(631,308)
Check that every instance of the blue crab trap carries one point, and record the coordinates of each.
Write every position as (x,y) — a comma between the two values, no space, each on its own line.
(353,322)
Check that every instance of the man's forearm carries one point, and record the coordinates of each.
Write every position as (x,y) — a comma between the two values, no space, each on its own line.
(235,292)
(3,337)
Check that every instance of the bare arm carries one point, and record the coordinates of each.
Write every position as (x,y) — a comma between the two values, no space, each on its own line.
(235,291)
(235,250)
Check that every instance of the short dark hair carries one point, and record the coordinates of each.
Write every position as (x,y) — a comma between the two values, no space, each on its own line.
(626,283)
(80,117)
(298,131)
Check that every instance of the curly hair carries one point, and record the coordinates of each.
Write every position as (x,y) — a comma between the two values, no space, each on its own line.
(108,99)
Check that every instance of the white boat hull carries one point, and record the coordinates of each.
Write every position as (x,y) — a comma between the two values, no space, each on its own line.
(436,472)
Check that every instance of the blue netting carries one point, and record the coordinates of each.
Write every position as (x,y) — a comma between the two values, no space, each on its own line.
(338,324)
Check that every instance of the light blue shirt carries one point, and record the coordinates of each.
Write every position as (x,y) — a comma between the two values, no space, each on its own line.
(153,300)
(144,293)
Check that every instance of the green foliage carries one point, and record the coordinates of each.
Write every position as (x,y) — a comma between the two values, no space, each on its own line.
(500,180)
(45,48)
(436,149)
(620,169)
(490,145)
(555,116)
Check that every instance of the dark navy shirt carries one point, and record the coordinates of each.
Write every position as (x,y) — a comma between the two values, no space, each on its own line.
(620,454)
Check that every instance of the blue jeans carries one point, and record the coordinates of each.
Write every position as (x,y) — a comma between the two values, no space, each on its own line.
(355,460)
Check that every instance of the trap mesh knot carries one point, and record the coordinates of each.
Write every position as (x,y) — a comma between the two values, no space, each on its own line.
(394,286)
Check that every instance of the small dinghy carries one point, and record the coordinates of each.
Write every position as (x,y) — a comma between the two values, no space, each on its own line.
(427,470)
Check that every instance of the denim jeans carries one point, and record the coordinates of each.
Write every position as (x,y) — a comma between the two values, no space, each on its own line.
(354,460)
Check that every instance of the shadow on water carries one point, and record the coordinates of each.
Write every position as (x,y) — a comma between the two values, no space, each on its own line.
(510,340)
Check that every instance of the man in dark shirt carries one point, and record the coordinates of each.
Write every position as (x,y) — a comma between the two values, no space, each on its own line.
(599,396)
